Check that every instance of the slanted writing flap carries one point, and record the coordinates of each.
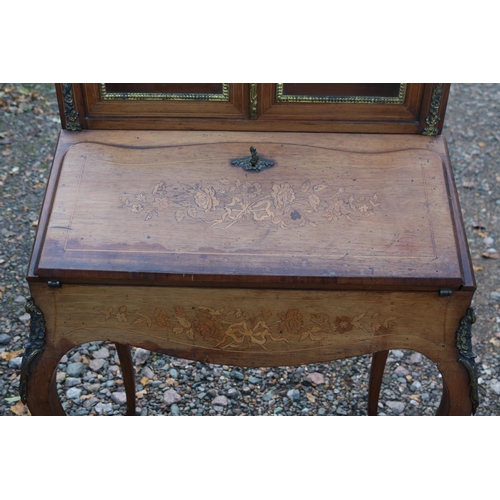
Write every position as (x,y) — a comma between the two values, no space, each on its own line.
(317,213)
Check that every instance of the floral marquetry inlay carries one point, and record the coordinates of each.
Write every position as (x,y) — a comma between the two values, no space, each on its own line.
(235,328)
(225,203)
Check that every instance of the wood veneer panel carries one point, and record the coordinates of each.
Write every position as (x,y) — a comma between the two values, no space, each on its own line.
(320,213)
(253,327)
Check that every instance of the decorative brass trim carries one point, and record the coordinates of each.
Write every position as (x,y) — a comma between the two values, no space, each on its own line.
(71,114)
(433,116)
(253,162)
(34,347)
(253,100)
(464,344)
(170,96)
(400,99)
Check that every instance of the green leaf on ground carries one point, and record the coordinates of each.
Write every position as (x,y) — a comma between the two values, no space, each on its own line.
(13,399)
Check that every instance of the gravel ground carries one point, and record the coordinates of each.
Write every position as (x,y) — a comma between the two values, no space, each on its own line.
(89,377)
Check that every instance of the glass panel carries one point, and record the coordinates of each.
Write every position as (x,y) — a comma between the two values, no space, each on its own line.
(387,93)
(165,88)
(165,91)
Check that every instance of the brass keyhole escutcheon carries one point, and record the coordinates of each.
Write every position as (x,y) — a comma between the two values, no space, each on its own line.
(252,163)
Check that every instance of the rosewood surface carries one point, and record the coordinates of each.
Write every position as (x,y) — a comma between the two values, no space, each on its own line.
(340,249)
(408,117)
(356,218)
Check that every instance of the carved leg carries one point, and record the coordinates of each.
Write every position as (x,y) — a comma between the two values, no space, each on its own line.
(456,399)
(460,395)
(128,375)
(54,401)
(39,368)
(376,374)
(444,406)
(41,397)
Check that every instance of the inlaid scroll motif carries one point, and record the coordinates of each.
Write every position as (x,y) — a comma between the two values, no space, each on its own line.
(241,328)
(273,204)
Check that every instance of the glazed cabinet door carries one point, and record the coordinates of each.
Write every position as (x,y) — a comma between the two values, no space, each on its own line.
(151,105)
(351,107)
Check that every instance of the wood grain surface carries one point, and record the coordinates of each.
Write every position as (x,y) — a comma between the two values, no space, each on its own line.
(252,327)
(366,228)
(322,212)
(272,116)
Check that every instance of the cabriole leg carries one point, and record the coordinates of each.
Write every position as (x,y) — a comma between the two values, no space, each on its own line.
(377,371)
(128,374)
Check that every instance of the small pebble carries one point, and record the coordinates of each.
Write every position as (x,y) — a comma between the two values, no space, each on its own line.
(73,393)
(90,402)
(171,396)
(416,358)
(24,318)
(268,395)
(415,386)
(396,406)
(96,364)
(147,372)
(75,357)
(4,338)
(101,353)
(75,369)
(220,401)
(101,408)
(119,397)
(72,382)
(401,370)
(92,388)
(315,378)
(141,356)
(495,386)
(15,363)
(232,393)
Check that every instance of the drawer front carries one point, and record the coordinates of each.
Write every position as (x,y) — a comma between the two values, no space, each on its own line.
(250,327)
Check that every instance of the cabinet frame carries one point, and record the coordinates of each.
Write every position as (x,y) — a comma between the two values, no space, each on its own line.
(256,107)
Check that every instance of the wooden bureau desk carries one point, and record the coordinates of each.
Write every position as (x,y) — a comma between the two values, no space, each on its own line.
(250,248)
